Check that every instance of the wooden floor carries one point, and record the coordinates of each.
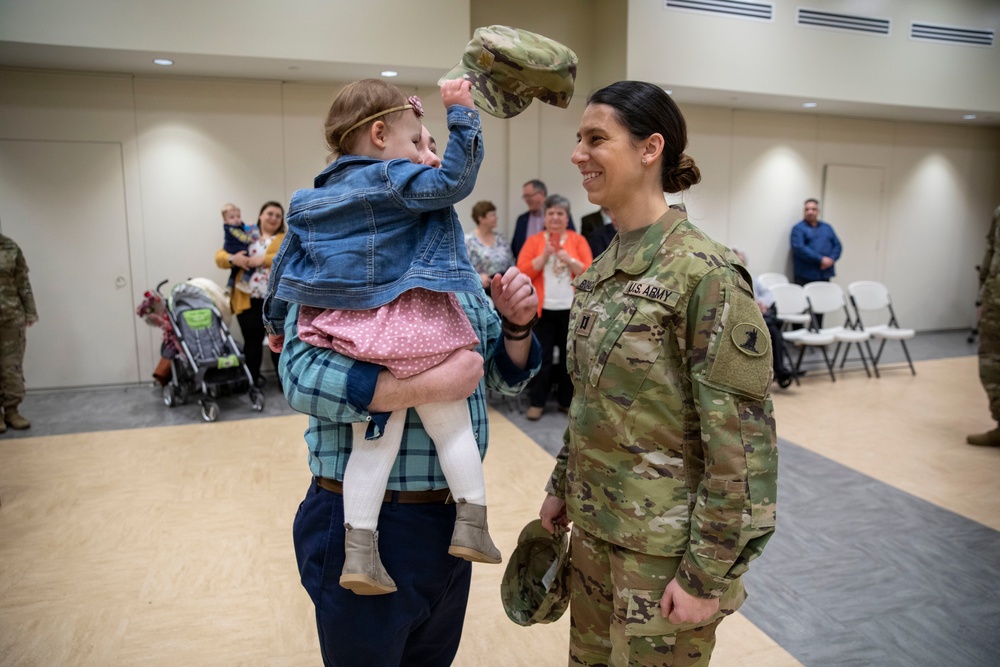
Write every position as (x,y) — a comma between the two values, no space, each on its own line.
(172,545)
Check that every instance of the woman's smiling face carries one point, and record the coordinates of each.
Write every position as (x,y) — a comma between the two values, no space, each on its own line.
(607,156)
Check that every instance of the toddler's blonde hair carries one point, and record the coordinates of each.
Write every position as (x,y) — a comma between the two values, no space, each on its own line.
(229,207)
(357,101)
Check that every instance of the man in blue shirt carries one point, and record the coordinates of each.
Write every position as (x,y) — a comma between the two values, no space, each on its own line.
(815,247)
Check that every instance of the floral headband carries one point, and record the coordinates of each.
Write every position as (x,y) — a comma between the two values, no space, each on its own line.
(414,103)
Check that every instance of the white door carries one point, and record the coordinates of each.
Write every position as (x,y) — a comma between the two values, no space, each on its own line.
(64,204)
(852,204)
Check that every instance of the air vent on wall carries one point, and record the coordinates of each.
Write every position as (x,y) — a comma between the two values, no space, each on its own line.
(869,25)
(763,11)
(950,34)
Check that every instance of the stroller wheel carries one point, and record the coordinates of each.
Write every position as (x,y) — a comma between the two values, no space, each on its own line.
(170,395)
(209,410)
(257,397)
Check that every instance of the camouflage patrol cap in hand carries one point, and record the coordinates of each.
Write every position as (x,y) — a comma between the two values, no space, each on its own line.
(508,67)
(535,586)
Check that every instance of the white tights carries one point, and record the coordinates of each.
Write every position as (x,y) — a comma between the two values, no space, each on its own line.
(450,427)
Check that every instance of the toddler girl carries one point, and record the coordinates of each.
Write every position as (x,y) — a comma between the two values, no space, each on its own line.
(373,255)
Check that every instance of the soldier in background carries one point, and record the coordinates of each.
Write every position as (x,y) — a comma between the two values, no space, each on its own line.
(989,332)
(17,312)
(669,471)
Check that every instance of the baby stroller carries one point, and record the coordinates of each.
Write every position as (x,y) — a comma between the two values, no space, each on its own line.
(208,361)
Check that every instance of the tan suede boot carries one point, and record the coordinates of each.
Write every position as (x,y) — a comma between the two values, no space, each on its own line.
(3,424)
(13,419)
(363,572)
(988,439)
(471,538)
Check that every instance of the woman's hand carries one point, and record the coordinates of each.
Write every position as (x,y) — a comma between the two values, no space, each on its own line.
(240,260)
(485,279)
(678,606)
(514,297)
(553,513)
(457,91)
(255,261)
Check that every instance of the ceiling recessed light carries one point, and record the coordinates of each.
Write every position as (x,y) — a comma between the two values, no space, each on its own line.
(969,116)
(390,73)
(166,62)
(809,105)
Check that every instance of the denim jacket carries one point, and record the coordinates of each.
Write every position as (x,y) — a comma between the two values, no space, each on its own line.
(372,229)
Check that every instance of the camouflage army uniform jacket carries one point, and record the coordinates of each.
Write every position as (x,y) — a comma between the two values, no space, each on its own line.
(989,268)
(17,303)
(671,445)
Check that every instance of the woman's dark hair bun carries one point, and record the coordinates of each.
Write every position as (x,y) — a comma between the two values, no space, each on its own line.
(681,177)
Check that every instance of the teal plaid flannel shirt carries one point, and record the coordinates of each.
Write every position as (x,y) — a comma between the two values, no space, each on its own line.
(335,391)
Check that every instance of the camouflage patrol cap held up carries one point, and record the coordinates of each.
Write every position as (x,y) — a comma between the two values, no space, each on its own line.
(508,67)
(535,586)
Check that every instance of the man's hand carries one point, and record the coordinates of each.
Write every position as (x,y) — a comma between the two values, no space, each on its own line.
(457,91)
(514,297)
(679,606)
(825,263)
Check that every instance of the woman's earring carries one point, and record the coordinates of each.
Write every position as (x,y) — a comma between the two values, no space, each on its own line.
(643,162)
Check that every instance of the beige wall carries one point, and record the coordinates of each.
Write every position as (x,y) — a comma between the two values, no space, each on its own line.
(191,145)
(941,185)
(677,48)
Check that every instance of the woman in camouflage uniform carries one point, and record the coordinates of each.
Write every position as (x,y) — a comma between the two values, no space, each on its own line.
(668,474)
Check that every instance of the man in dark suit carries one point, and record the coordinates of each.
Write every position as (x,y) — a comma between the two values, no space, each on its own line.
(593,222)
(599,237)
(533,221)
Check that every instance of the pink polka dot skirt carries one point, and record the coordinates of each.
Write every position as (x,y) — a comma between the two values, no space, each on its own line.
(417,331)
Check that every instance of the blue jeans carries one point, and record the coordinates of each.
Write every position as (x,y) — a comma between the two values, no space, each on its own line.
(420,625)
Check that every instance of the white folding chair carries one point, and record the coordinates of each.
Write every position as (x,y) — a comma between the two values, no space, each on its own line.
(792,307)
(827,299)
(870,296)
(769,280)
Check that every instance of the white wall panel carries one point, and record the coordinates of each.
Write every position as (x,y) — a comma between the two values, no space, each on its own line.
(203,144)
(774,169)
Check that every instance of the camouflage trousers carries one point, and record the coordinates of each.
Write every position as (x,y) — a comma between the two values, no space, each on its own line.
(615,618)
(989,351)
(11,369)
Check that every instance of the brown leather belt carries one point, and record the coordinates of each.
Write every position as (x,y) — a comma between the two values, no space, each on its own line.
(402,497)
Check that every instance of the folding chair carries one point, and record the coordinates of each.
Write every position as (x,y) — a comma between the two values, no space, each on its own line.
(769,280)
(870,296)
(793,308)
(828,298)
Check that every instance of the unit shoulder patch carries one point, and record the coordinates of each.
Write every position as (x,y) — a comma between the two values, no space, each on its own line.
(750,339)
(741,356)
